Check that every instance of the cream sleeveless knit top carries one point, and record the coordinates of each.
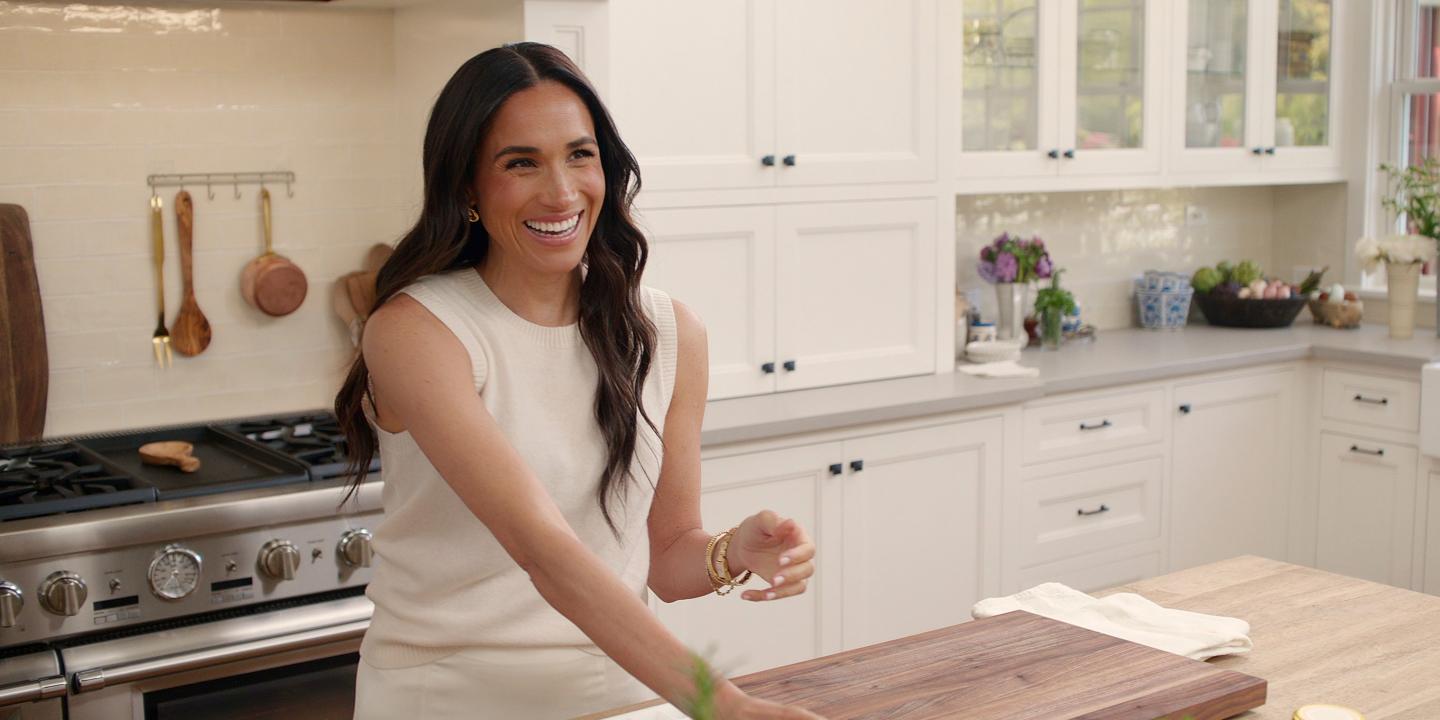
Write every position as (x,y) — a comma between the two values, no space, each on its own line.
(442,581)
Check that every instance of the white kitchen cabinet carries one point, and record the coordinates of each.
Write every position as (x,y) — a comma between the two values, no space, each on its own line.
(1232,468)
(800,296)
(1366,509)
(920,509)
(767,93)
(1432,537)
(882,507)
(747,636)
(1060,87)
(1253,96)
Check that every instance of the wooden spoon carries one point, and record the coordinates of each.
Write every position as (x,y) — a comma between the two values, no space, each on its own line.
(190,334)
(170,452)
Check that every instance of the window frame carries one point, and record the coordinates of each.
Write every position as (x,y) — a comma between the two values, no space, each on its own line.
(1398,65)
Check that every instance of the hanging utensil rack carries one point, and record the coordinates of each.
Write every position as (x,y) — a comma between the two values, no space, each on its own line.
(233,179)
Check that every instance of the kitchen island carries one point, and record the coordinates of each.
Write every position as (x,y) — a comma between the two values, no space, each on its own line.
(1319,638)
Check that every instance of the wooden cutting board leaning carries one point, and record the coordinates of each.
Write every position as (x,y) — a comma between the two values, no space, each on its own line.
(24,361)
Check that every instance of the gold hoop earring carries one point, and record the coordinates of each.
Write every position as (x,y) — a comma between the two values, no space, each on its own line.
(471,215)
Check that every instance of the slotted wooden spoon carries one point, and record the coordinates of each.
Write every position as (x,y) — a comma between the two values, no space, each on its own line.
(190,333)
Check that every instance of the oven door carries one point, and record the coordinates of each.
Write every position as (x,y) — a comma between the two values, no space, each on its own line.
(295,662)
(32,687)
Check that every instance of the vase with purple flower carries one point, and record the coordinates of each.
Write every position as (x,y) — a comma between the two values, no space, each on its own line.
(1012,264)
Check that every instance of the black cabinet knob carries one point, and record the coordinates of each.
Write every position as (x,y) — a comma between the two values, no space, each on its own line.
(1269,151)
(836,469)
(1185,409)
(789,365)
(1070,154)
(768,161)
(789,160)
(1053,154)
(1257,151)
(857,465)
(768,367)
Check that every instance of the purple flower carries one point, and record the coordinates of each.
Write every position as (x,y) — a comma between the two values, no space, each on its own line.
(1006,268)
(1038,243)
(1043,268)
(987,271)
(987,254)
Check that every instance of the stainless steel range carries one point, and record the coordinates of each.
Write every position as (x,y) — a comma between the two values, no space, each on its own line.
(130,590)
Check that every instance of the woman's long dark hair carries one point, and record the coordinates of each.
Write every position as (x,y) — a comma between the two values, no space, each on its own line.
(615,329)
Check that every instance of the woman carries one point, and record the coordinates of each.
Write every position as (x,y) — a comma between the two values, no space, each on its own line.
(513,377)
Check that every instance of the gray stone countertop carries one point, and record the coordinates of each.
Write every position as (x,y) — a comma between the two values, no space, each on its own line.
(1115,357)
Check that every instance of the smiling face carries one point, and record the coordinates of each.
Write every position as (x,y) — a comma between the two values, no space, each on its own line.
(539,183)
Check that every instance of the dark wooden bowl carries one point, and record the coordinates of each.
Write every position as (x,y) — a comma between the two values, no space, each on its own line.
(1228,311)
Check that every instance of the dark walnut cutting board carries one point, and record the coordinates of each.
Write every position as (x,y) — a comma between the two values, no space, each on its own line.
(24,363)
(1015,666)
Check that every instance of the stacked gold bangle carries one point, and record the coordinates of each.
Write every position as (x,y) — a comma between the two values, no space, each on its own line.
(717,565)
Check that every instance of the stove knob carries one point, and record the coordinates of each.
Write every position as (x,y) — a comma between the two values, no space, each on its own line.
(63,593)
(355,548)
(279,559)
(11,600)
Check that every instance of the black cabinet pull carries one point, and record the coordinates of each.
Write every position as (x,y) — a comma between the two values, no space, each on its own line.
(837,468)
(857,465)
(1372,401)
(1185,409)
(1053,154)
(1363,451)
(790,365)
(1257,151)
(1070,154)
(768,161)
(1269,151)
(768,367)
(1103,508)
(789,161)
(1103,424)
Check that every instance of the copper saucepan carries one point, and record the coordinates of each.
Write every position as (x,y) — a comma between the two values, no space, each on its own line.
(271,283)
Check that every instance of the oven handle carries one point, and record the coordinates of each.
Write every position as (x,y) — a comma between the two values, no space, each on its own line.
(32,691)
(97,678)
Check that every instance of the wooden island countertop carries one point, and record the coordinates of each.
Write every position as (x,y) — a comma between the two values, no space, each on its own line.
(1320,638)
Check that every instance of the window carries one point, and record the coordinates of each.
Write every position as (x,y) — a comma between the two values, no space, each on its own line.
(1414,104)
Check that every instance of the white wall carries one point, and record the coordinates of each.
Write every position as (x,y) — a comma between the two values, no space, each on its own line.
(95,98)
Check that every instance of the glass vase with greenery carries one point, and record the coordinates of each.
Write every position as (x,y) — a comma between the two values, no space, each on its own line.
(1052,304)
(1413,192)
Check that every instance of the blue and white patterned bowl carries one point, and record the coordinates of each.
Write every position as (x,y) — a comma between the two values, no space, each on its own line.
(1161,310)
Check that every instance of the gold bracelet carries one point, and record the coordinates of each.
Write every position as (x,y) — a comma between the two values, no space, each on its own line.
(723,565)
(715,582)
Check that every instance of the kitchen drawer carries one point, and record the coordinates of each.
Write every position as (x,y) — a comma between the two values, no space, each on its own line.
(1071,428)
(1376,400)
(1089,510)
(1087,575)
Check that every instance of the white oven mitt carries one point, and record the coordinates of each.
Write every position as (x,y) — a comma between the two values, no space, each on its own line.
(1129,617)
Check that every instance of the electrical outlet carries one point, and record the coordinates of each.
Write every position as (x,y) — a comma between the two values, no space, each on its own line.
(1196,216)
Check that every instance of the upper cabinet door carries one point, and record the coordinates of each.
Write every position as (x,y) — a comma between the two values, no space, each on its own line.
(1301,110)
(692,90)
(1009,65)
(721,263)
(855,291)
(855,91)
(1111,67)
(1217,61)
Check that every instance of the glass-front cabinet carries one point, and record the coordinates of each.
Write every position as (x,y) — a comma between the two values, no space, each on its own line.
(1252,91)
(1059,87)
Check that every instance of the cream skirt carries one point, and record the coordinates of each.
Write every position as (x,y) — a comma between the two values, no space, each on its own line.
(499,683)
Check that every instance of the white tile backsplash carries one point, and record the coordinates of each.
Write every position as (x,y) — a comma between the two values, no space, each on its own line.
(99,96)
(1104,239)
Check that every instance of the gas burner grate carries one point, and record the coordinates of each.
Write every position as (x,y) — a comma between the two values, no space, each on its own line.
(314,439)
(47,480)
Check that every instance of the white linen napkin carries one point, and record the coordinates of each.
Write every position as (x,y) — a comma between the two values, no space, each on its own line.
(1129,617)
(1001,369)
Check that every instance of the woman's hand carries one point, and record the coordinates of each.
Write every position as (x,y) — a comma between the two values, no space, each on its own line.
(775,548)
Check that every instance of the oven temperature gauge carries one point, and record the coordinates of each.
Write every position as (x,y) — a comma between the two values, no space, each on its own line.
(175,572)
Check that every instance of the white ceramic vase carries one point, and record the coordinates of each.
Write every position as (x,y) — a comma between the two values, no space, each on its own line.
(1010,323)
(1402,283)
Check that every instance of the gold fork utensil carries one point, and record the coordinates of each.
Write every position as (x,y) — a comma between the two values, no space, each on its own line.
(161,339)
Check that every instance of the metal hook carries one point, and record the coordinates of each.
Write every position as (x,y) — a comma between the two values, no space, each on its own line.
(237,188)
(209,189)
(289,191)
